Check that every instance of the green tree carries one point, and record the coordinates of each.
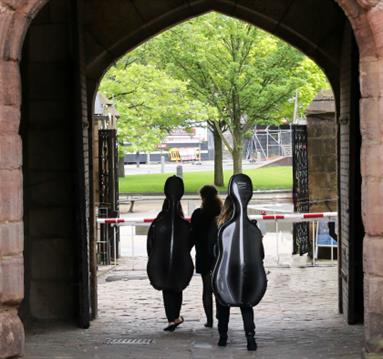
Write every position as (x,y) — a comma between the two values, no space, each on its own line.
(249,76)
(150,103)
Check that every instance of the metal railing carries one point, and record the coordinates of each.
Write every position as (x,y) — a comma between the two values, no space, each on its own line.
(267,142)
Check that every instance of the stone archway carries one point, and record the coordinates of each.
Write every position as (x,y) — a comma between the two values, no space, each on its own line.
(366,18)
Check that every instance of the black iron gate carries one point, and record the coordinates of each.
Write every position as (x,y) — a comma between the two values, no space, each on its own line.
(300,188)
(108,242)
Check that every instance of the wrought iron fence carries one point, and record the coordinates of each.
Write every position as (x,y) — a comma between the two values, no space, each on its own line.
(301,233)
(108,206)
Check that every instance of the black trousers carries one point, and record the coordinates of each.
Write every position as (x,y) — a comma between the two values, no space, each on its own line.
(207,297)
(172,304)
(223,315)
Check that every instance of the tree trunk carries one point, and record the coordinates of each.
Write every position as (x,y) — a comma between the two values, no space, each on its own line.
(121,167)
(218,164)
(237,151)
(237,160)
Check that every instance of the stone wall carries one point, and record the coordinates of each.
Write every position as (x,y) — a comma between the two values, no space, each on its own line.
(322,157)
(14,20)
(322,153)
(371,111)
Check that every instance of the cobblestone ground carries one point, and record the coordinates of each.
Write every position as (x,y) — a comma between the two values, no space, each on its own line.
(297,319)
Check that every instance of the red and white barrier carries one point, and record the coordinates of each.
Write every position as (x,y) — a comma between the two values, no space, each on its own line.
(293,217)
(288,217)
(275,218)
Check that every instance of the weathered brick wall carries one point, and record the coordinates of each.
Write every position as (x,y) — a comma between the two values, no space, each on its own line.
(13,23)
(371,69)
(366,17)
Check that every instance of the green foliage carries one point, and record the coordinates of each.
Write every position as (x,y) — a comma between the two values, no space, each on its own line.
(249,76)
(213,68)
(312,81)
(278,177)
(150,103)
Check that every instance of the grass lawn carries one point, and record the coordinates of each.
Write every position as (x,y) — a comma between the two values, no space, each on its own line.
(279,177)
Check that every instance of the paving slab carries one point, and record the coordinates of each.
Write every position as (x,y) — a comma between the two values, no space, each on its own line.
(296,319)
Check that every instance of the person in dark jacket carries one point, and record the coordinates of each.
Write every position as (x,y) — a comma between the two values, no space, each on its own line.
(172,299)
(202,220)
(170,266)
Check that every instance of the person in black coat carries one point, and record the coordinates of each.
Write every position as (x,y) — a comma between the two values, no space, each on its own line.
(202,221)
(170,266)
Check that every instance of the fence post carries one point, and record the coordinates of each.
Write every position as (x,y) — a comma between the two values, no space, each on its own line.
(277,239)
(115,228)
(314,244)
(162,164)
(179,171)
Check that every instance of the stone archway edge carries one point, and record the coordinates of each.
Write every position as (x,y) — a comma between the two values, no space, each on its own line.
(15,16)
(366,17)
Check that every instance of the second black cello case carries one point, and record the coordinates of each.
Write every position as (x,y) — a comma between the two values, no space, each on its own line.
(239,277)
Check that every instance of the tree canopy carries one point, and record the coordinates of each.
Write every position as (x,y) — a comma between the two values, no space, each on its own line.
(213,68)
(150,103)
(249,76)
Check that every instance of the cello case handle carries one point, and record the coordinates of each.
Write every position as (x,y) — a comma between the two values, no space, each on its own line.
(239,277)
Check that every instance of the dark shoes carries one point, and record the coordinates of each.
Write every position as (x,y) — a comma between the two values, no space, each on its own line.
(172,327)
(222,341)
(251,343)
(208,325)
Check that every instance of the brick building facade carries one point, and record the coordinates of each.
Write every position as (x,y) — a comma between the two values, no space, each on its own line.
(52,56)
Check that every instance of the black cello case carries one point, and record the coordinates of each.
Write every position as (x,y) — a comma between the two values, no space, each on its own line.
(239,277)
(170,266)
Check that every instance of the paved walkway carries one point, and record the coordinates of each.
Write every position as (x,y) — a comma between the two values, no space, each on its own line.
(297,319)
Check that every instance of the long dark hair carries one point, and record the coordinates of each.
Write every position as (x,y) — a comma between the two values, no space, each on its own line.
(227,211)
(211,203)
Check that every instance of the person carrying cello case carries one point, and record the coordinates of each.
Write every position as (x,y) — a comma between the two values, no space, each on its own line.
(239,277)
(170,266)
